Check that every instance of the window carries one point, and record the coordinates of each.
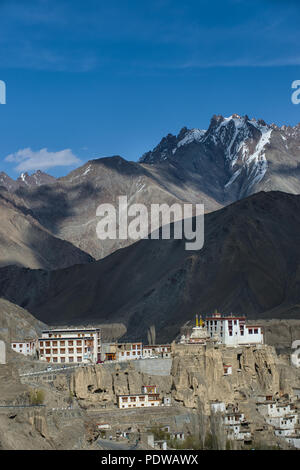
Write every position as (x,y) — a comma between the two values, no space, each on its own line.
(63,351)
(70,343)
(62,343)
(71,359)
(55,359)
(54,351)
(47,351)
(62,359)
(79,359)
(78,342)
(71,350)
(256,331)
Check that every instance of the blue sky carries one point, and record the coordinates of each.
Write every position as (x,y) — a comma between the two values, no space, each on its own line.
(97,78)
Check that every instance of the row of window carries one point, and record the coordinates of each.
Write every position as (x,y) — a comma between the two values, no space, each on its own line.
(134,406)
(63,351)
(79,335)
(128,353)
(63,359)
(63,343)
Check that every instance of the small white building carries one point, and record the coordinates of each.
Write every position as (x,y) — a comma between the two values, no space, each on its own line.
(227,369)
(294,440)
(238,433)
(286,422)
(104,426)
(217,407)
(149,397)
(284,432)
(166,401)
(234,418)
(232,330)
(129,351)
(27,347)
(157,350)
(275,409)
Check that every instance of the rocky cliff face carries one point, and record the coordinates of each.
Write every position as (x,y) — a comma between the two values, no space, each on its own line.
(101,384)
(198,374)
(196,378)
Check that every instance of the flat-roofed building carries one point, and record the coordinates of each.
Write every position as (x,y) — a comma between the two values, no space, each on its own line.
(129,351)
(27,347)
(149,397)
(70,345)
(232,330)
(157,350)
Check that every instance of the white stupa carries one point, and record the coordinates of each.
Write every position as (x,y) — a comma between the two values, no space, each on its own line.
(199,334)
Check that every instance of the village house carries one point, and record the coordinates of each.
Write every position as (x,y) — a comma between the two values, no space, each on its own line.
(218,407)
(274,409)
(148,397)
(28,347)
(282,416)
(157,350)
(121,351)
(70,345)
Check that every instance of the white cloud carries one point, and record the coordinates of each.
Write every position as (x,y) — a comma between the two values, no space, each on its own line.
(28,160)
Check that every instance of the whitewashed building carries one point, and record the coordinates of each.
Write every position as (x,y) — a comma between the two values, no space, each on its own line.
(238,433)
(283,422)
(66,345)
(149,397)
(218,407)
(27,347)
(129,351)
(275,409)
(294,440)
(227,369)
(232,330)
(234,418)
(157,350)
(284,419)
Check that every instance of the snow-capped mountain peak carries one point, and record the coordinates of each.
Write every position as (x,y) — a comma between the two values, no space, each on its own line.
(235,148)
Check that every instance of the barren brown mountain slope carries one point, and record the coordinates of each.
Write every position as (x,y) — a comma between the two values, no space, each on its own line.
(249,264)
(25,242)
(67,208)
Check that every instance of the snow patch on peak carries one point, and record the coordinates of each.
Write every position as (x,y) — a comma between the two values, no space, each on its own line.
(87,170)
(192,136)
